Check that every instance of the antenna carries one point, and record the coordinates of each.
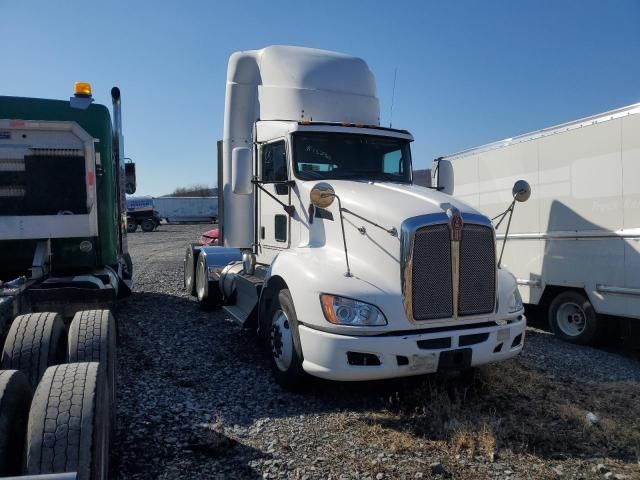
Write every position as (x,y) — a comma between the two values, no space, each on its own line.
(393,96)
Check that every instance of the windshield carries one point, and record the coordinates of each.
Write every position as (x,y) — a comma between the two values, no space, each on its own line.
(323,156)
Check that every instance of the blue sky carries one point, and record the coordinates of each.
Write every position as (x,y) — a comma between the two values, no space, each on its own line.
(468,72)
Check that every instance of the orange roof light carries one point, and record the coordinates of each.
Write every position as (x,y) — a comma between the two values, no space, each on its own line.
(82,89)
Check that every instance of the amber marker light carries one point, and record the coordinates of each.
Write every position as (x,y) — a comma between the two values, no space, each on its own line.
(327,308)
(82,89)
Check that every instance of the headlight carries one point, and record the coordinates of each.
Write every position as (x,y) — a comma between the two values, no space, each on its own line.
(345,311)
(515,303)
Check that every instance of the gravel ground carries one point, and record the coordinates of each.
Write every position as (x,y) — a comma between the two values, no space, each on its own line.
(196,400)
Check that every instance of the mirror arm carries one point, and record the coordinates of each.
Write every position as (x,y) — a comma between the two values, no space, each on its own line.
(391,231)
(344,236)
(508,211)
(288,183)
(290,209)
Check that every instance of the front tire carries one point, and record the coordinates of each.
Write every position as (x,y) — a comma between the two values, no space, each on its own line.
(285,351)
(573,318)
(132,226)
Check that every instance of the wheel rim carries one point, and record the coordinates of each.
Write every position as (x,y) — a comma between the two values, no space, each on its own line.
(200,281)
(571,319)
(281,341)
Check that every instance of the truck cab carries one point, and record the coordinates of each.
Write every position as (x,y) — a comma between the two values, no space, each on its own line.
(347,269)
(62,210)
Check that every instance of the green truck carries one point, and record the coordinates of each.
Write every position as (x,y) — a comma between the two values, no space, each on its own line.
(63,261)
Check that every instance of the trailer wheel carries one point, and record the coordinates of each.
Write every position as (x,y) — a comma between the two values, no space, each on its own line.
(148,225)
(573,318)
(92,338)
(132,226)
(68,427)
(285,352)
(35,342)
(190,270)
(208,297)
(15,398)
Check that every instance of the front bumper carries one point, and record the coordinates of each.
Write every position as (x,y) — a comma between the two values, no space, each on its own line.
(331,356)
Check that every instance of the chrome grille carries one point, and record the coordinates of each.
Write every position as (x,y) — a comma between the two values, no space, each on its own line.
(430,287)
(477,271)
(431,273)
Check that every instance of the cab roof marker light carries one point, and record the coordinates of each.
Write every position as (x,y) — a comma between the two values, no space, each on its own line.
(82,89)
(81,96)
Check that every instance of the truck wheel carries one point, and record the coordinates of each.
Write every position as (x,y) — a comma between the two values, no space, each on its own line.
(208,297)
(15,398)
(35,342)
(148,225)
(132,226)
(190,271)
(68,427)
(285,352)
(92,338)
(573,318)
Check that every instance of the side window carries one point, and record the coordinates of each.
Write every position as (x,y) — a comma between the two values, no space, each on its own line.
(393,162)
(280,228)
(274,162)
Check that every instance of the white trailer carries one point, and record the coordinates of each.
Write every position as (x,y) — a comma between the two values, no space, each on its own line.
(575,246)
(187,209)
(344,267)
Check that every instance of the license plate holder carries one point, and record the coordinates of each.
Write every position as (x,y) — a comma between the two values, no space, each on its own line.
(459,359)
(424,362)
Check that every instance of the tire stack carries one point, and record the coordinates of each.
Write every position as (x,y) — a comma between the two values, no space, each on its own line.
(58,395)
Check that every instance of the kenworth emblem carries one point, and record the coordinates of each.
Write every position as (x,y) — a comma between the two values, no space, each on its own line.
(456,224)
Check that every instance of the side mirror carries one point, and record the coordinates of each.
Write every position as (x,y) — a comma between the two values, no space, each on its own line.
(241,171)
(322,195)
(445,177)
(129,177)
(521,191)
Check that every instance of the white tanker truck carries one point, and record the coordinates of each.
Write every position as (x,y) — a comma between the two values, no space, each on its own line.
(347,269)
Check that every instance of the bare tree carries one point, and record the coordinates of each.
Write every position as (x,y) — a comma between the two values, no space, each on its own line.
(192,191)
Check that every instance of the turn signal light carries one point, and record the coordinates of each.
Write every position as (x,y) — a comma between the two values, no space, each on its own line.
(82,89)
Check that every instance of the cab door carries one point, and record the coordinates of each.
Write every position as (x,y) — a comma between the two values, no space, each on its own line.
(274,223)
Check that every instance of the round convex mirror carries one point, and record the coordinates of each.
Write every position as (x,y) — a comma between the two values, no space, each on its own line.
(521,191)
(322,195)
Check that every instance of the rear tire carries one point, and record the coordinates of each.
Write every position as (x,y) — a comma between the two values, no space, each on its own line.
(35,341)
(92,338)
(69,423)
(573,318)
(148,225)
(15,398)
(209,297)
(285,351)
(190,270)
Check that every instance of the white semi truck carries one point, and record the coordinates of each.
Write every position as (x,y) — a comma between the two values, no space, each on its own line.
(328,250)
(575,246)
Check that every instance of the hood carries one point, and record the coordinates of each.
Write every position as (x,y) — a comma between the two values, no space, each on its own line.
(389,204)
